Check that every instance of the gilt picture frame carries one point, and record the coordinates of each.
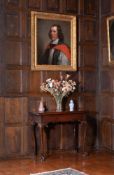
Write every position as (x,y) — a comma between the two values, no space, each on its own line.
(110,39)
(40,27)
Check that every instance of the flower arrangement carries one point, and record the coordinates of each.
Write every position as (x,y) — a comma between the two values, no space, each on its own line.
(59,89)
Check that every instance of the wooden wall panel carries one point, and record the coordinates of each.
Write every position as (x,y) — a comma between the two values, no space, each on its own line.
(80,103)
(13,54)
(88,29)
(90,81)
(16,81)
(68,133)
(34,4)
(105,6)
(17,132)
(64,135)
(28,141)
(2,148)
(53,5)
(72,7)
(104,58)
(2,84)
(1,24)
(34,104)
(1,3)
(106,131)
(112,6)
(107,105)
(2,61)
(1,109)
(28,27)
(106,81)
(17,53)
(16,110)
(13,24)
(104,32)
(12,3)
(90,55)
(112,134)
(13,140)
(90,7)
(90,103)
(52,105)
(35,82)
(48,100)
(15,19)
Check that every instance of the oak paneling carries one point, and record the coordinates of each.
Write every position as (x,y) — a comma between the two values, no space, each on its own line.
(106,132)
(53,5)
(88,29)
(107,105)
(112,6)
(1,26)
(1,109)
(90,7)
(28,140)
(48,101)
(62,133)
(1,3)
(104,32)
(90,55)
(105,6)
(15,53)
(80,103)
(13,140)
(28,26)
(55,130)
(90,103)
(12,3)
(2,148)
(34,4)
(90,81)
(67,133)
(104,58)
(112,133)
(1,54)
(71,7)
(106,81)
(13,24)
(2,84)
(16,110)
(34,103)
(35,82)
(16,81)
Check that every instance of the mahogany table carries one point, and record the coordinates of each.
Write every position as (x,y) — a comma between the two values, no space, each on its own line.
(43,119)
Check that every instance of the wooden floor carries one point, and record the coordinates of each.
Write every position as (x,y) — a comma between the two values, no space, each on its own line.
(97,163)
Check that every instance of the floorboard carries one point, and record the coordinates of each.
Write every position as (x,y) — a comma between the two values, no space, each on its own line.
(97,163)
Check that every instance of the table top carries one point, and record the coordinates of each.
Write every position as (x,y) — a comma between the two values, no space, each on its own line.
(57,113)
(56,117)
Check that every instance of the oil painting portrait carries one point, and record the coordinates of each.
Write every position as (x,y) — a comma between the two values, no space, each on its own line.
(53,42)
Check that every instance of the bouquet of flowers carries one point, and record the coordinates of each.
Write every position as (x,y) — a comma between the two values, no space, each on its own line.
(59,89)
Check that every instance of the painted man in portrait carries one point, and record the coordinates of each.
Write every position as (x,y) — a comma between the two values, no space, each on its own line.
(57,52)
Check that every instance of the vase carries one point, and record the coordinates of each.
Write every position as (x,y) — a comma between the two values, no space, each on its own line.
(41,106)
(58,103)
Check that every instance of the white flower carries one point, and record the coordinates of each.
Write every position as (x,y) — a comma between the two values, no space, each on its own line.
(58,87)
